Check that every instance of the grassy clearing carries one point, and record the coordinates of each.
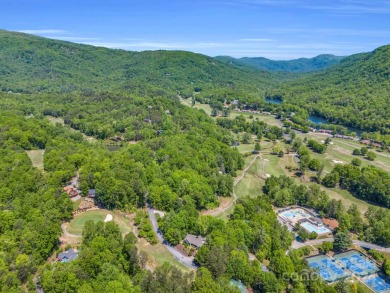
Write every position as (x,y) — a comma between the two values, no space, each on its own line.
(76,225)
(158,255)
(277,166)
(250,185)
(60,120)
(340,150)
(36,157)
(270,120)
(56,120)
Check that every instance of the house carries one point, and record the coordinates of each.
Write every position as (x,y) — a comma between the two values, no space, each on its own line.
(194,240)
(71,191)
(91,193)
(68,255)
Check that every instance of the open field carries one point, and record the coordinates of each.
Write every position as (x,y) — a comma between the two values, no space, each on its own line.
(36,157)
(77,223)
(158,255)
(250,185)
(339,150)
(269,119)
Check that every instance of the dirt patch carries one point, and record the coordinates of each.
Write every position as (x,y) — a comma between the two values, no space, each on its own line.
(224,202)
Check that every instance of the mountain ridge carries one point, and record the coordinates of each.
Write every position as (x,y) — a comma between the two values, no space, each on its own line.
(32,63)
(303,64)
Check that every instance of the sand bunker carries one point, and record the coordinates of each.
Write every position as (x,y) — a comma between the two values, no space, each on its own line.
(108,218)
(337,162)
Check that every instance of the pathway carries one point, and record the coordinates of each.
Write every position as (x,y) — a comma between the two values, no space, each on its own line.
(296,244)
(185,260)
(236,181)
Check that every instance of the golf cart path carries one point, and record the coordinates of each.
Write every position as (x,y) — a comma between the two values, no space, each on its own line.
(237,180)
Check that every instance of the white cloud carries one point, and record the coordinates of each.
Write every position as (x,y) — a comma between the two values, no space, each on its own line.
(334,6)
(335,31)
(43,32)
(74,39)
(155,45)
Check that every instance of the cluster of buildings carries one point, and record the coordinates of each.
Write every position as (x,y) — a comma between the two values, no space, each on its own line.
(305,219)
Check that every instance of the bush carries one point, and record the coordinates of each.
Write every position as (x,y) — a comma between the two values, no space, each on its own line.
(356,162)
(356,152)
(370,156)
(376,255)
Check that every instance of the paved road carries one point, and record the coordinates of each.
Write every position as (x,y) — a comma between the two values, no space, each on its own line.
(297,244)
(185,260)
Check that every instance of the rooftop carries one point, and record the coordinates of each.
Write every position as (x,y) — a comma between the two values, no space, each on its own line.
(194,240)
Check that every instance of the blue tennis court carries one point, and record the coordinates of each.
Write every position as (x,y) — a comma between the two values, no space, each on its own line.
(328,269)
(357,263)
(378,284)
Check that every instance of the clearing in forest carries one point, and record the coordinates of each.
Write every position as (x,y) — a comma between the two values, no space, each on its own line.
(36,157)
(76,225)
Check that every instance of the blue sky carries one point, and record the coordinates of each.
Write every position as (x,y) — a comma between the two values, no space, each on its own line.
(276,29)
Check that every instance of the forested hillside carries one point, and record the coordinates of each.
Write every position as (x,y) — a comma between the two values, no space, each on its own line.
(296,65)
(30,63)
(176,158)
(354,92)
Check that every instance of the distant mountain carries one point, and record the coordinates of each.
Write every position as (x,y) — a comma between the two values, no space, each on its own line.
(355,92)
(29,63)
(297,65)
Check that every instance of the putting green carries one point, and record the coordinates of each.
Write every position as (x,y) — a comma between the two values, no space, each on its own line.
(76,225)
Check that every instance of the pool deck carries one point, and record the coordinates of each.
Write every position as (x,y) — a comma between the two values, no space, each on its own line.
(293,215)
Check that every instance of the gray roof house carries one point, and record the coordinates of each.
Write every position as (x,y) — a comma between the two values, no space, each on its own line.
(92,193)
(68,255)
(193,240)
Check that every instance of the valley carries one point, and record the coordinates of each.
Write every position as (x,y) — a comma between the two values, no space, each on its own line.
(164,171)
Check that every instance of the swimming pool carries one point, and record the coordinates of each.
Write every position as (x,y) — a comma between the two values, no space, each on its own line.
(294,215)
(311,228)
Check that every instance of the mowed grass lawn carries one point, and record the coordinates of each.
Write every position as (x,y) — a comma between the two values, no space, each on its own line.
(76,225)
(36,157)
(341,150)
(158,255)
(269,119)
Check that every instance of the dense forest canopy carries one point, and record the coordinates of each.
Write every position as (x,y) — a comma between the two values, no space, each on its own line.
(354,92)
(30,63)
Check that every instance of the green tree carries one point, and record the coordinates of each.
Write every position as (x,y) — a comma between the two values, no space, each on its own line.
(386,267)
(257,148)
(370,156)
(363,151)
(342,241)
(356,162)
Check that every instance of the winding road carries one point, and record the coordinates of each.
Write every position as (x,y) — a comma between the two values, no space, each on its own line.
(185,260)
(189,261)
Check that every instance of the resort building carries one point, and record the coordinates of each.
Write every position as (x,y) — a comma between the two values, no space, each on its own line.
(305,219)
